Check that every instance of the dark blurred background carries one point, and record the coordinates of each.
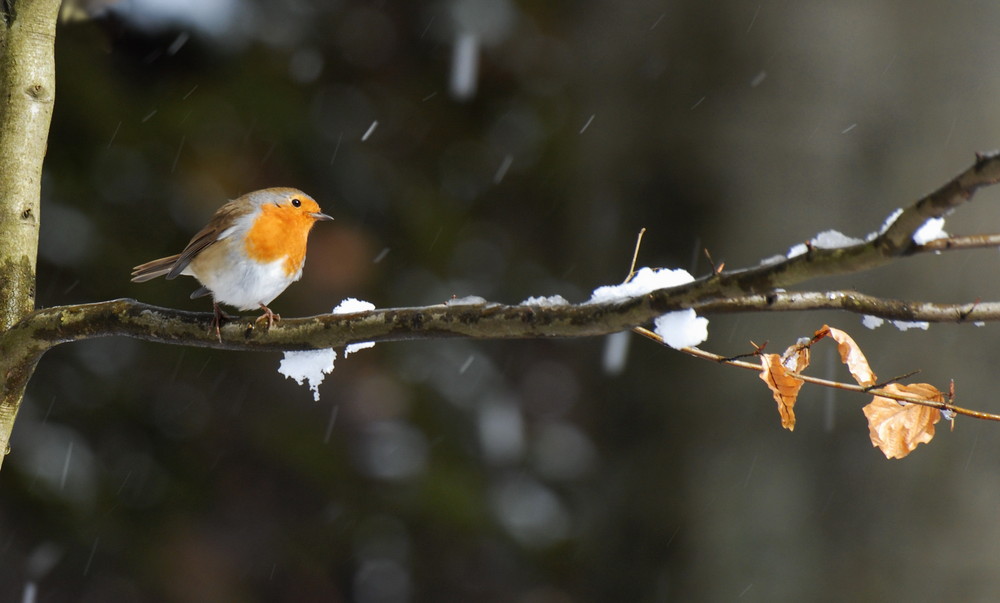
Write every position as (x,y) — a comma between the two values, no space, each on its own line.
(504,149)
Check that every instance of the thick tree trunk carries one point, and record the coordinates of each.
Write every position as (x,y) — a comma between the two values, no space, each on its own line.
(27,93)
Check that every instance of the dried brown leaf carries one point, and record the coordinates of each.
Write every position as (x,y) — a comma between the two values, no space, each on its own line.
(850,354)
(897,428)
(784,387)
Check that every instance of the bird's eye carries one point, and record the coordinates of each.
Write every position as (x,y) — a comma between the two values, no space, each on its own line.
(296,202)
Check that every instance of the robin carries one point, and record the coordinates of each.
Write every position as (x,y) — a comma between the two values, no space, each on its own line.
(250,251)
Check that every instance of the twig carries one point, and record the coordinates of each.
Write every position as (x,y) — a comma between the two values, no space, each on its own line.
(882,384)
(635,255)
(715,269)
(957,243)
(947,406)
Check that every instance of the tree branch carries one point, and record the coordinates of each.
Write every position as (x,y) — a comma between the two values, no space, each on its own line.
(24,344)
(855,302)
(46,328)
(894,242)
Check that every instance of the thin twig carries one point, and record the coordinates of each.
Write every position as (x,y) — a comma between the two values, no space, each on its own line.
(635,255)
(698,353)
(956,243)
(715,269)
(882,384)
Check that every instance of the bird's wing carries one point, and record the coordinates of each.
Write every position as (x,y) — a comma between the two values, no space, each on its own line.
(219,227)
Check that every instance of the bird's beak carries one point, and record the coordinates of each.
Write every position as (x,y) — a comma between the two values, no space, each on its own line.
(320,217)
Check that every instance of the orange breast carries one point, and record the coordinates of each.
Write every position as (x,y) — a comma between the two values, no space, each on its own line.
(279,232)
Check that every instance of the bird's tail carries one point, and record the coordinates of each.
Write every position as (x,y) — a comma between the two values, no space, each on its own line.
(151,270)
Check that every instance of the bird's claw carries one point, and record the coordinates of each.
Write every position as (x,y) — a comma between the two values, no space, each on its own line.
(269,315)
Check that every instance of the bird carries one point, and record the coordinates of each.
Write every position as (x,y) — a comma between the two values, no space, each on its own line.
(250,251)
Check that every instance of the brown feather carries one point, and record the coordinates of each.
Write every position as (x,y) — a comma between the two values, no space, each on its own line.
(151,270)
(222,219)
(173,265)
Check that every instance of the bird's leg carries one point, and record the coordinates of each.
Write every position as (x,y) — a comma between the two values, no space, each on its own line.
(269,315)
(220,317)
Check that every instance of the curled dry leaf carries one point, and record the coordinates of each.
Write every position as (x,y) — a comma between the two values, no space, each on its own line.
(897,428)
(777,374)
(850,354)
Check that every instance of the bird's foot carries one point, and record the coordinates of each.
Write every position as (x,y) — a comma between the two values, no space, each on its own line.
(269,315)
(219,318)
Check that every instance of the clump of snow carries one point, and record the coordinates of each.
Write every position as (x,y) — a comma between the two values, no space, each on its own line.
(356,347)
(678,329)
(932,229)
(468,300)
(350,306)
(774,259)
(890,220)
(872,322)
(552,300)
(903,325)
(311,366)
(644,281)
(681,329)
(796,250)
(833,239)
(828,239)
